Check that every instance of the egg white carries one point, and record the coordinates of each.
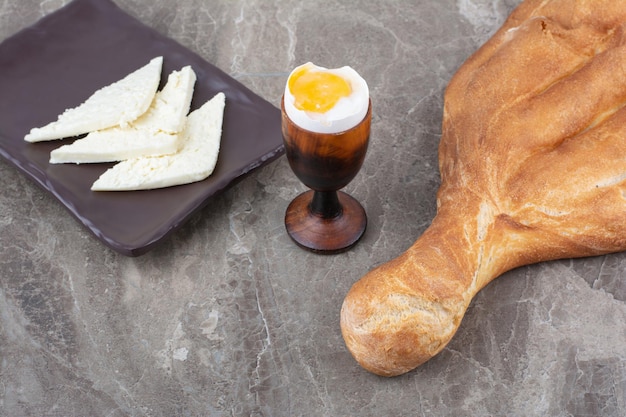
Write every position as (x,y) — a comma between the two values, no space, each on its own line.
(346,113)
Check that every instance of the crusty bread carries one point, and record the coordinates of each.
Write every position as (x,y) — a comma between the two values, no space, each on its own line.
(533,167)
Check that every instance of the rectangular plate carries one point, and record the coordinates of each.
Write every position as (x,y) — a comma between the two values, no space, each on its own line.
(60,61)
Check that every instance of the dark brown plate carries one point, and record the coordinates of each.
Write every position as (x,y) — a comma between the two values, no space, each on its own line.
(60,61)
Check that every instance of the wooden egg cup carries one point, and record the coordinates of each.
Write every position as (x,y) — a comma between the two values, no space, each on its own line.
(324,219)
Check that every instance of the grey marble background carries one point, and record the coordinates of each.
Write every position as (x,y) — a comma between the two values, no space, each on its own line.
(229,318)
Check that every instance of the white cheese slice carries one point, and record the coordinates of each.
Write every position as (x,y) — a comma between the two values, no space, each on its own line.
(113,105)
(195,160)
(153,133)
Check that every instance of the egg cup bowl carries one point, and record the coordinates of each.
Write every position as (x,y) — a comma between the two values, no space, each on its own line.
(324,219)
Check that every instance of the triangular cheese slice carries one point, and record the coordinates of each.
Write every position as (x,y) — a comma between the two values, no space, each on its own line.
(153,133)
(113,105)
(195,160)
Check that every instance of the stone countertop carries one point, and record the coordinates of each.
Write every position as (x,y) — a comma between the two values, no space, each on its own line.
(229,318)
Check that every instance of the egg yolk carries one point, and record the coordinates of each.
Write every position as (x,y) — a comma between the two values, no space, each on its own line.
(317,91)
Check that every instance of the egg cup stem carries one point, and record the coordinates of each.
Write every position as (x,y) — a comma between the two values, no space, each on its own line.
(324,219)
(325,204)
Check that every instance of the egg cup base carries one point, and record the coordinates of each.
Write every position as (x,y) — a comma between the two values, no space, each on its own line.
(321,234)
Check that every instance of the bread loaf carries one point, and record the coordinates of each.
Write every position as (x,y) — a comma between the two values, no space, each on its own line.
(533,168)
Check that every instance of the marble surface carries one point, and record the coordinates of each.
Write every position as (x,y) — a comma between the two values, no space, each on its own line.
(229,318)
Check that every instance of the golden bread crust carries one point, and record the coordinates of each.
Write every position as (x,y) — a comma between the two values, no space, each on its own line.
(533,167)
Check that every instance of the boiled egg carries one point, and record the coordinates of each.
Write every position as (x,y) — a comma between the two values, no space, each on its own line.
(325,100)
